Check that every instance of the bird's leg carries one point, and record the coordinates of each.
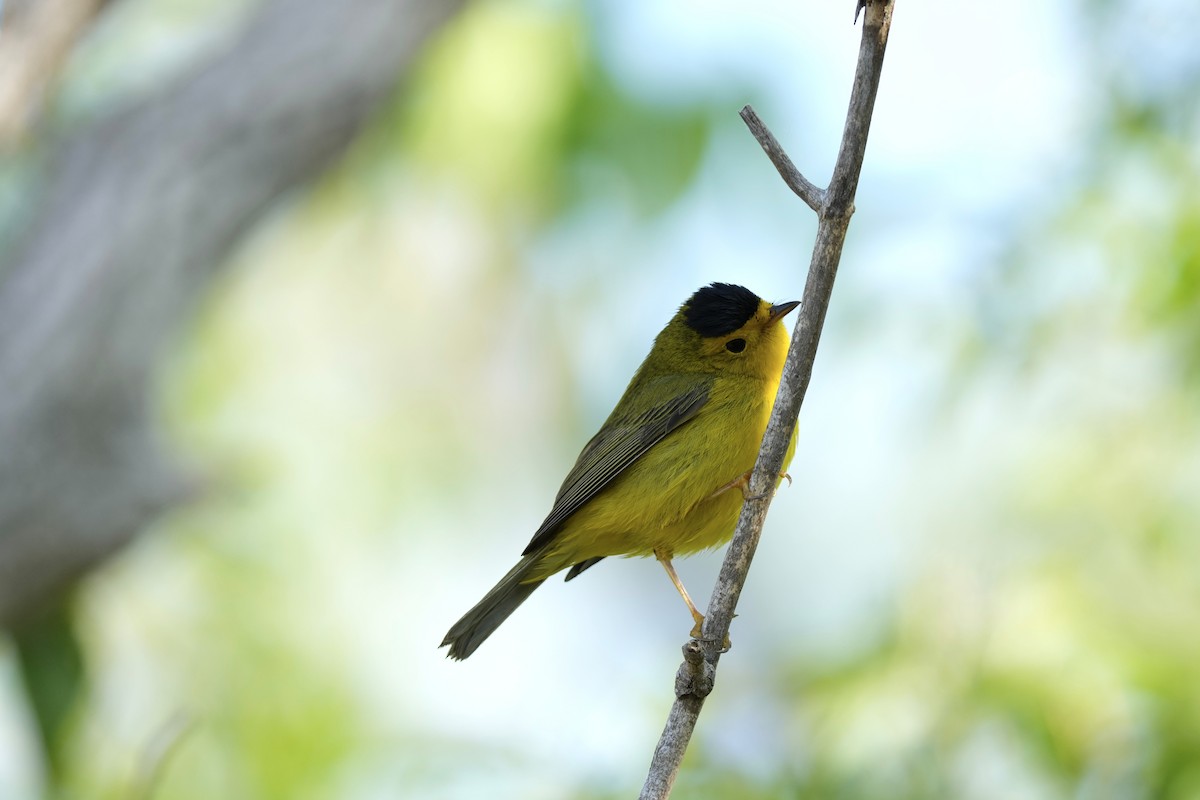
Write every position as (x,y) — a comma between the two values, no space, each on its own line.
(665,559)
(743,482)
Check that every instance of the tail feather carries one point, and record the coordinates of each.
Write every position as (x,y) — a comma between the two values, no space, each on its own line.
(478,624)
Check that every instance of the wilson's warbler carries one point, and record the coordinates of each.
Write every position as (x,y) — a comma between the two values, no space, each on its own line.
(656,479)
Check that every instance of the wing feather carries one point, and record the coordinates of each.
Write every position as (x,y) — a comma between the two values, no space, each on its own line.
(619,444)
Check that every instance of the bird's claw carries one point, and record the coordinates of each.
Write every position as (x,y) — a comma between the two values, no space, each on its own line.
(698,634)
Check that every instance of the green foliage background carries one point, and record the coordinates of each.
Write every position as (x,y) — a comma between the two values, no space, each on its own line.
(984,584)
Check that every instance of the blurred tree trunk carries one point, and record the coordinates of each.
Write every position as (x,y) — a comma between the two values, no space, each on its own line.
(139,210)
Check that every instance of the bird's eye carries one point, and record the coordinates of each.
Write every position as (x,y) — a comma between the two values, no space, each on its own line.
(735,345)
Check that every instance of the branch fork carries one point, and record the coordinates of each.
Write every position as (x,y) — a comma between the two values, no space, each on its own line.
(806,190)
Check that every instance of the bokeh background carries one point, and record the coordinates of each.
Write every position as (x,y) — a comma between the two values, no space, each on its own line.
(984,582)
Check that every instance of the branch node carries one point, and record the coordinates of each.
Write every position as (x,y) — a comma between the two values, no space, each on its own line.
(696,675)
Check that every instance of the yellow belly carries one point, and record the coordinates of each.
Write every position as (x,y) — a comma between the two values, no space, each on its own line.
(665,500)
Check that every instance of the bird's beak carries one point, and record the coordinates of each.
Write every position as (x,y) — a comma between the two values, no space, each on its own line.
(780,311)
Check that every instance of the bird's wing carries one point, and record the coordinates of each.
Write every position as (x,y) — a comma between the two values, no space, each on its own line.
(620,443)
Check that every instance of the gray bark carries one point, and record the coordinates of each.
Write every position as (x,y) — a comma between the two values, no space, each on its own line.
(834,206)
(138,213)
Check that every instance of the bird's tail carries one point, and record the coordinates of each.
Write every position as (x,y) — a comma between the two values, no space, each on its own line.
(479,623)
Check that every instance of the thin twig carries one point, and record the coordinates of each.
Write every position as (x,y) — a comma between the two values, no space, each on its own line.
(698,672)
(806,190)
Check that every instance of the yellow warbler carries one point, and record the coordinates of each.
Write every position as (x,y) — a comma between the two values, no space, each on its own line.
(656,479)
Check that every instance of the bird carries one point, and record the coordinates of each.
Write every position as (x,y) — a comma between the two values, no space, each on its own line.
(660,478)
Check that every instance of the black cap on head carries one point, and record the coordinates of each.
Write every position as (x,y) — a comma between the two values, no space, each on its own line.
(719,309)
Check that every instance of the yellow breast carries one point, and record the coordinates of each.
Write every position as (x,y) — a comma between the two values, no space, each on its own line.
(665,500)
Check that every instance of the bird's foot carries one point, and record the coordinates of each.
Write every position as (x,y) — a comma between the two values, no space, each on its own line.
(698,633)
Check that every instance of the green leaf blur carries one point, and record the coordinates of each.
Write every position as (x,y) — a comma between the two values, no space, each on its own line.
(982,585)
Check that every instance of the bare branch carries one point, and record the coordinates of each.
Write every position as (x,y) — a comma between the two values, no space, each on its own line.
(834,219)
(807,191)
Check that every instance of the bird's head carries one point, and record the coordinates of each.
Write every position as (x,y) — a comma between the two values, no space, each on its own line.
(724,328)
